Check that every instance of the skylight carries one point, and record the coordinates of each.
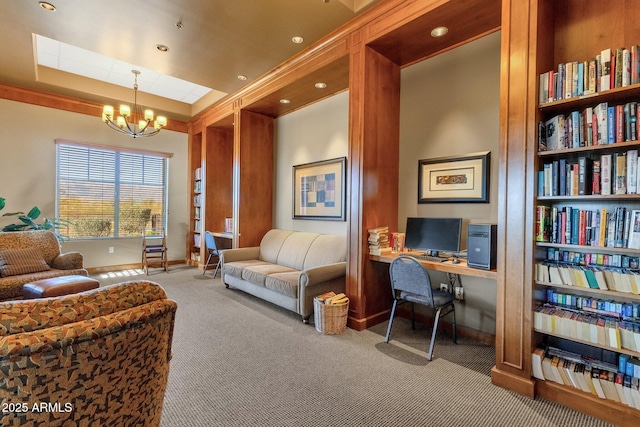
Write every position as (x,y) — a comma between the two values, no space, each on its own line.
(71,59)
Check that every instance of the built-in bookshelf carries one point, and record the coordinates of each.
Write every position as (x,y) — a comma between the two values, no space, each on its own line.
(586,287)
(197,215)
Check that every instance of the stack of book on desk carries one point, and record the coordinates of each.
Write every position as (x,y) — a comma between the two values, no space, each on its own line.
(379,241)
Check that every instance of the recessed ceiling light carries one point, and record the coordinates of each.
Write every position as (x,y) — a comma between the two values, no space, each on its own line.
(162,48)
(439,31)
(321,85)
(297,39)
(285,101)
(47,6)
(242,77)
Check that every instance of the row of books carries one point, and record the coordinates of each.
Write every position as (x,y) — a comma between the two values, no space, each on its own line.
(197,225)
(585,375)
(196,212)
(600,307)
(593,277)
(197,174)
(608,174)
(594,259)
(197,186)
(606,332)
(602,124)
(379,240)
(609,69)
(228,225)
(197,200)
(617,227)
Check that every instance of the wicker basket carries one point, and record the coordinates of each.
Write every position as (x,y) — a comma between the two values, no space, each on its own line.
(330,319)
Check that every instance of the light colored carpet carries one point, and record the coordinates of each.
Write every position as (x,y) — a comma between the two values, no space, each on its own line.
(238,361)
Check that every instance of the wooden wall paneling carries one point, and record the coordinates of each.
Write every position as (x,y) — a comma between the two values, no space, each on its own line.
(253,177)
(219,178)
(515,212)
(374,158)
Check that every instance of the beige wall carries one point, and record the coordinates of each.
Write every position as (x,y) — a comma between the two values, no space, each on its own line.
(450,106)
(28,173)
(317,132)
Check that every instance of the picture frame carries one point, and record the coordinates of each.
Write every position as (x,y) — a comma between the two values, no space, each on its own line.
(455,179)
(319,190)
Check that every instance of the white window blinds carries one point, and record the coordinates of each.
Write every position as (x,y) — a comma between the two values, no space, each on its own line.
(106,192)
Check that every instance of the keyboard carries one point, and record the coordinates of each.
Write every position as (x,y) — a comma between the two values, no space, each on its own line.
(430,258)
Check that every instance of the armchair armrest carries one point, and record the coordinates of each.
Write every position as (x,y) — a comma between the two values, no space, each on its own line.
(68,261)
(323,273)
(239,254)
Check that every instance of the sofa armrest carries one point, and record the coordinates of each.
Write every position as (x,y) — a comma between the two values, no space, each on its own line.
(68,261)
(239,254)
(323,273)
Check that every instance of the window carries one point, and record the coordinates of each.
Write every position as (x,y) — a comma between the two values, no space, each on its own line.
(109,192)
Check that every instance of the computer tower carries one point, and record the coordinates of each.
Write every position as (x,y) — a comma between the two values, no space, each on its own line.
(481,246)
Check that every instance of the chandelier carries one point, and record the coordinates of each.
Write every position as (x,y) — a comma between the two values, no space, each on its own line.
(126,121)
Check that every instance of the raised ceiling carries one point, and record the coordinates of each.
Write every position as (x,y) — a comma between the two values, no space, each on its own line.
(218,40)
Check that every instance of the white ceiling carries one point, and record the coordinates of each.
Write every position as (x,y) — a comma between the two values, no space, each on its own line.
(219,40)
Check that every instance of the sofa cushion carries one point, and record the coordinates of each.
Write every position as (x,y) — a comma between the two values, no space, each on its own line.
(43,240)
(271,243)
(21,261)
(326,249)
(284,283)
(294,249)
(235,268)
(257,274)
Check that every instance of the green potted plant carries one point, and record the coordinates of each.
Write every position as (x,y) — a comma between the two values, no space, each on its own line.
(28,221)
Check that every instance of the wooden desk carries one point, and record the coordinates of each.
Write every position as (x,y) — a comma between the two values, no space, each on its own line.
(445,266)
(227,243)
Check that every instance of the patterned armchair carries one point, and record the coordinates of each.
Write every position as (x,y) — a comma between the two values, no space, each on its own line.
(27,256)
(96,358)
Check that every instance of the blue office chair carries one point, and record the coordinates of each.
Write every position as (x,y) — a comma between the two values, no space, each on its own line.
(410,282)
(210,241)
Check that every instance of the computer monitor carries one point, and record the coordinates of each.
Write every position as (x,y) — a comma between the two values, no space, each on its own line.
(433,234)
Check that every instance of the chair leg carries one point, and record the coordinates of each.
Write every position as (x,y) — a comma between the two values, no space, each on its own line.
(206,265)
(215,273)
(393,312)
(413,317)
(453,326)
(433,334)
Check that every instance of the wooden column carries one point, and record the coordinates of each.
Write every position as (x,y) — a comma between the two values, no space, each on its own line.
(516,212)
(253,177)
(374,117)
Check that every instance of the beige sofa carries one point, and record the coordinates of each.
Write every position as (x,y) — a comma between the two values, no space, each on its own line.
(26,256)
(289,268)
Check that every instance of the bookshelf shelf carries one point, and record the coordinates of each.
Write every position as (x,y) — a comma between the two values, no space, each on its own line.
(585,248)
(600,149)
(604,347)
(615,95)
(591,291)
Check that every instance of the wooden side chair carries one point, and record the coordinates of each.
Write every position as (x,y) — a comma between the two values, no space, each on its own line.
(154,249)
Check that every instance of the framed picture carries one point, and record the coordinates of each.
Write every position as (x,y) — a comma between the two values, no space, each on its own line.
(319,190)
(454,179)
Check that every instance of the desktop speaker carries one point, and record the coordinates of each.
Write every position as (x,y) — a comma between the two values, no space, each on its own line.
(481,246)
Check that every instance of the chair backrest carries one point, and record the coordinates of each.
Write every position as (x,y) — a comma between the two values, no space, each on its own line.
(407,274)
(153,237)
(210,241)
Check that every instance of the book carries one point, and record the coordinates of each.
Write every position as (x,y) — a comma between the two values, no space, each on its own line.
(605,174)
(605,74)
(536,363)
